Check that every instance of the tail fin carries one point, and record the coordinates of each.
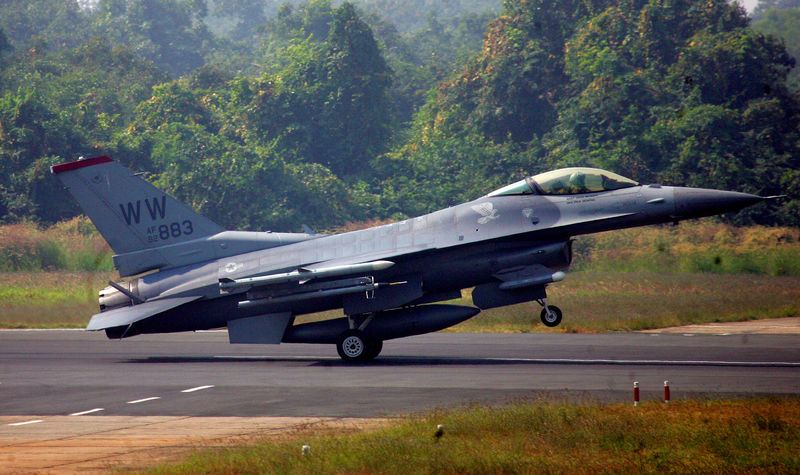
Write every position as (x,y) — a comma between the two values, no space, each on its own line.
(130,213)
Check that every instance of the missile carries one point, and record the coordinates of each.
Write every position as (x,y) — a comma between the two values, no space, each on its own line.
(310,295)
(303,275)
(533,281)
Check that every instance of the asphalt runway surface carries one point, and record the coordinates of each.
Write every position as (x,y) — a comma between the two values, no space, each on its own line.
(62,373)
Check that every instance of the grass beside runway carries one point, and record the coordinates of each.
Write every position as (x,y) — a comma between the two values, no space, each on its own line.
(739,436)
(55,299)
(592,301)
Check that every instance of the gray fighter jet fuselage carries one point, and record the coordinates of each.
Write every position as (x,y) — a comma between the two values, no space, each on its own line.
(507,246)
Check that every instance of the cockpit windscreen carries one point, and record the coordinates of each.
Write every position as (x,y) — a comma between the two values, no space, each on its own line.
(567,181)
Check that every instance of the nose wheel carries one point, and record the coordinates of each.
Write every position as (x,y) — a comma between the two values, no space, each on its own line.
(551,315)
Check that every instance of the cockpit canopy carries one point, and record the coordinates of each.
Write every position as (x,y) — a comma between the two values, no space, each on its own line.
(567,181)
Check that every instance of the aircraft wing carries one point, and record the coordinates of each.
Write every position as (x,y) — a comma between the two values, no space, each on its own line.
(368,262)
(128,315)
(372,256)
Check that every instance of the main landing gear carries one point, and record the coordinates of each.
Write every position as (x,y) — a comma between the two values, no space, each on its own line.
(551,315)
(355,346)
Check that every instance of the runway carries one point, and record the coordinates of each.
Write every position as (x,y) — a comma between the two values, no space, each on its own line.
(63,373)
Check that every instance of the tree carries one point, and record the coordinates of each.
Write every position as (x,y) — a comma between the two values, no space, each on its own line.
(677,92)
(356,113)
(784,24)
(169,33)
(60,23)
(247,16)
(766,5)
(5,45)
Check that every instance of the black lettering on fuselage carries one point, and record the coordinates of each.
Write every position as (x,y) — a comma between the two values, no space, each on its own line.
(156,208)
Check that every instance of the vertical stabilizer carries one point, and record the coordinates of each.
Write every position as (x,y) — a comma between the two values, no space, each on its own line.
(130,213)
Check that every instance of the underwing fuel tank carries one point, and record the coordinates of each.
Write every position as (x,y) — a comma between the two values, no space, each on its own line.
(385,325)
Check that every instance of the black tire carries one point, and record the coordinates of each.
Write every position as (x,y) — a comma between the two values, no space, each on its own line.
(552,319)
(374,349)
(354,346)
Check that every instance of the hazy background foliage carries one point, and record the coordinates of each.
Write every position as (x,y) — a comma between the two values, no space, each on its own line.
(267,114)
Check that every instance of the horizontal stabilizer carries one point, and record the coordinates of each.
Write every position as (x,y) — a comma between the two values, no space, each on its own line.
(127,315)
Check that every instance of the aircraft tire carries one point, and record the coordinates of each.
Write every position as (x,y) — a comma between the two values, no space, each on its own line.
(374,349)
(554,318)
(354,346)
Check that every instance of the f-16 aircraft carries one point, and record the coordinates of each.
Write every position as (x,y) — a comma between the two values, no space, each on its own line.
(508,246)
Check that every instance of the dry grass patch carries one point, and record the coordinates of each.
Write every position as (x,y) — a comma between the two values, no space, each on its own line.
(609,301)
(50,299)
(746,436)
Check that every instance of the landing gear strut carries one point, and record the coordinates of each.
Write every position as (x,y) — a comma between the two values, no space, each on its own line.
(551,315)
(355,346)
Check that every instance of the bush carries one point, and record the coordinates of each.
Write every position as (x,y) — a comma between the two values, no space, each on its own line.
(71,245)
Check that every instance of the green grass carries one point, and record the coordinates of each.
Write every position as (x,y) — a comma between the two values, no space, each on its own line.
(592,301)
(49,299)
(540,436)
(608,301)
(699,246)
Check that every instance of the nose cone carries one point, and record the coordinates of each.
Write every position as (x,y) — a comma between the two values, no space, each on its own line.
(697,202)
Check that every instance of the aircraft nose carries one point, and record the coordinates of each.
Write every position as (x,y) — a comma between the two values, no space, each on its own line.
(697,202)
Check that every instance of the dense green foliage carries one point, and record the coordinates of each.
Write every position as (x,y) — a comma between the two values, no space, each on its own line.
(765,6)
(784,24)
(676,92)
(268,115)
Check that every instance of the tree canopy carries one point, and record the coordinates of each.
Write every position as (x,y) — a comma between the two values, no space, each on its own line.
(265,115)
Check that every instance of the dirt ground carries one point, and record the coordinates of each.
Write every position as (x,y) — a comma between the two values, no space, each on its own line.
(790,325)
(101,444)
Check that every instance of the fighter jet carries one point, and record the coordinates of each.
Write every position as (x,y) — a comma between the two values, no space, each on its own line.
(184,272)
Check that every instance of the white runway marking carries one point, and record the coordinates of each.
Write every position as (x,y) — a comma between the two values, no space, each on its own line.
(144,400)
(26,422)
(198,388)
(90,411)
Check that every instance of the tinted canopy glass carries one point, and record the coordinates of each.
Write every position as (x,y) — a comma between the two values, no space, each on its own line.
(522,187)
(567,181)
(570,181)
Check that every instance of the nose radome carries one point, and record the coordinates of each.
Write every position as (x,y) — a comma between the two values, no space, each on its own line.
(696,202)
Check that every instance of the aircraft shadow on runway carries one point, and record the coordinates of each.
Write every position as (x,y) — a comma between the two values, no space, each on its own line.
(334,362)
(439,361)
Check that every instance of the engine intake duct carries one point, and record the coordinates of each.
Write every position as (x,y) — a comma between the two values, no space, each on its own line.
(385,325)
